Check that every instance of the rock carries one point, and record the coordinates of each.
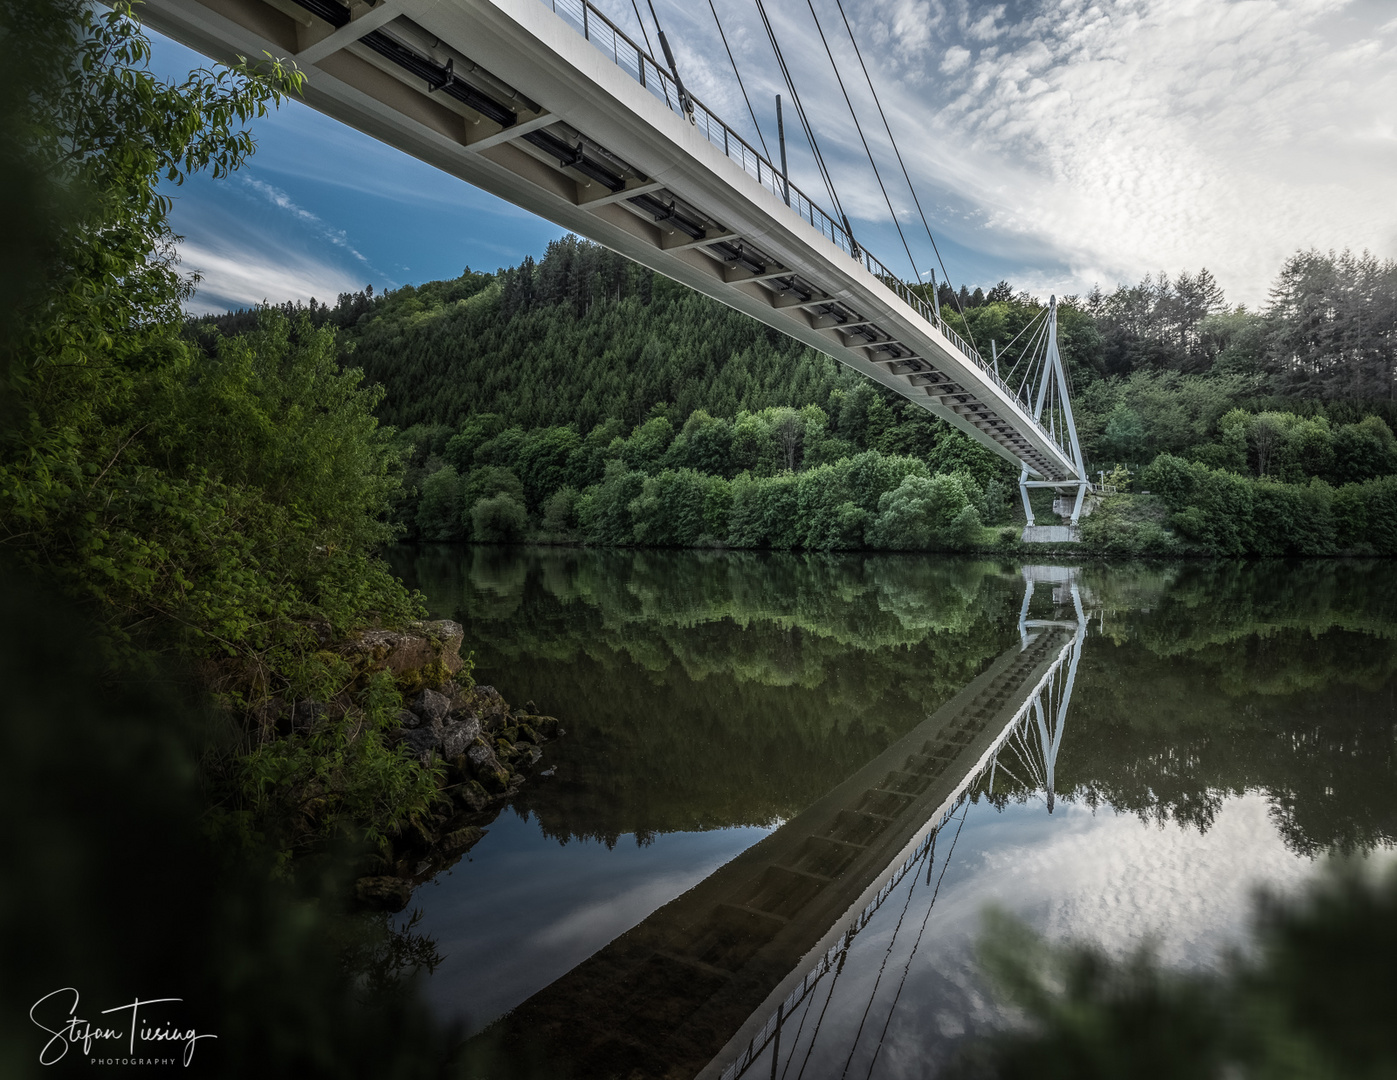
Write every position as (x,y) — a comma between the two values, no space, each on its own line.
(432,706)
(530,707)
(533,751)
(425,654)
(547,726)
(487,703)
(482,759)
(306,714)
(474,795)
(406,718)
(421,740)
(528,734)
(458,734)
(383,893)
(461,840)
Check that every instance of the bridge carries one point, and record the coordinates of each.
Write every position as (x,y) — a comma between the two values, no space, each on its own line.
(708,983)
(549,105)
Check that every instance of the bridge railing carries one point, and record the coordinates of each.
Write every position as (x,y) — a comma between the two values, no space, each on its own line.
(610,40)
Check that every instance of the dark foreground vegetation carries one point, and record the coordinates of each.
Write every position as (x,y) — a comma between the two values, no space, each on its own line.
(585,399)
(202,751)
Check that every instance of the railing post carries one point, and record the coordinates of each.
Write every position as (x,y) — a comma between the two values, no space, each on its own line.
(586,30)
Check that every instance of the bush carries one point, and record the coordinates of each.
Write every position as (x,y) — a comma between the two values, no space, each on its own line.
(560,512)
(439,514)
(926,514)
(670,510)
(499,520)
(1129,525)
(604,510)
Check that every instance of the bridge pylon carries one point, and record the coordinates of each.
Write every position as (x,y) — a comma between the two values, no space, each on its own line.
(1052,407)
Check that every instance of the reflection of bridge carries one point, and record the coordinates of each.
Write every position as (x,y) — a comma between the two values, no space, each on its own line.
(706,982)
(548,105)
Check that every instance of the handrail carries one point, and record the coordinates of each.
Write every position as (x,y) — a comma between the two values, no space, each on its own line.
(636,62)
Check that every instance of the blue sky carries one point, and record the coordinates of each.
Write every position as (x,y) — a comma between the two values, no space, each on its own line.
(1056,143)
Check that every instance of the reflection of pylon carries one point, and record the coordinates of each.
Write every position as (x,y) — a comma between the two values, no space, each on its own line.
(1049,713)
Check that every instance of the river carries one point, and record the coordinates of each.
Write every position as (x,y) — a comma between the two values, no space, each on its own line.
(792,786)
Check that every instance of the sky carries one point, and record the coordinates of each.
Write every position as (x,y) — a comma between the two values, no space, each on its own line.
(1058,144)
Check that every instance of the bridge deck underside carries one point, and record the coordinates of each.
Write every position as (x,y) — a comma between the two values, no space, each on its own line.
(508,96)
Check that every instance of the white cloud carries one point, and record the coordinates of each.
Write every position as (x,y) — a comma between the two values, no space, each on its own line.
(1072,142)
(281,200)
(235,276)
(956,58)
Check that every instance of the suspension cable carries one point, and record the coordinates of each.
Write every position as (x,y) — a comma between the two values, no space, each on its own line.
(685,102)
(750,111)
(649,49)
(916,274)
(906,176)
(805,126)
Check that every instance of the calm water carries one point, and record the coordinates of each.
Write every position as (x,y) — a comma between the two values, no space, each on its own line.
(790,787)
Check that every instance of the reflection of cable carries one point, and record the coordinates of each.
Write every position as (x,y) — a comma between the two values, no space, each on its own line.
(881,967)
(917,944)
(818,1023)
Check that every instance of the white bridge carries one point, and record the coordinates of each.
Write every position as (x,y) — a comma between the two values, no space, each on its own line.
(546,104)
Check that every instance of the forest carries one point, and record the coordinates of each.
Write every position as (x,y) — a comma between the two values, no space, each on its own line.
(582,398)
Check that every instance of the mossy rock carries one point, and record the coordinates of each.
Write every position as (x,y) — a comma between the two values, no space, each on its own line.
(383,893)
(473,794)
(529,735)
(461,840)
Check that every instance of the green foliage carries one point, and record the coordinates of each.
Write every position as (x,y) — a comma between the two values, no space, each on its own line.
(1222,513)
(560,512)
(341,779)
(500,519)
(926,513)
(222,503)
(681,508)
(439,506)
(104,134)
(487,481)
(1129,525)
(604,510)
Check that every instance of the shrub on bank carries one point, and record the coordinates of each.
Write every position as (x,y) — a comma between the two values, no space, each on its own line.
(1220,513)
(1129,525)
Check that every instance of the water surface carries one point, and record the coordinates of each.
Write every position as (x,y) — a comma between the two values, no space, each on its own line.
(1124,758)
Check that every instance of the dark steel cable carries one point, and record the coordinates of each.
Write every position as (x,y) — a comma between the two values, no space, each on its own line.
(650,49)
(916,274)
(750,111)
(805,125)
(906,176)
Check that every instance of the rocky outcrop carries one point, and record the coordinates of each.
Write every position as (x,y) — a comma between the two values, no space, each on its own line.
(421,655)
(480,748)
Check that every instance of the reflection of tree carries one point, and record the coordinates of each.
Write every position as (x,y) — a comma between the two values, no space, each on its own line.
(714,689)
(706,689)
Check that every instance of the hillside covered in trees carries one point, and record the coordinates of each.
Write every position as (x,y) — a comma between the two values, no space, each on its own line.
(583,397)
